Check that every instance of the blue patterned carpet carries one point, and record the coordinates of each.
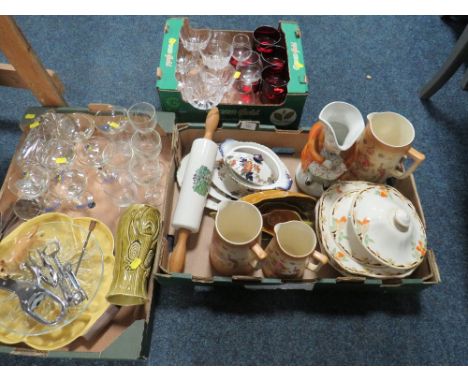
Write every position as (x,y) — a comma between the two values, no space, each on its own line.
(113,60)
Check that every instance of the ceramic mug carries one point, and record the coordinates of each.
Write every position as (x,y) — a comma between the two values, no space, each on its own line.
(384,146)
(291,250)
(235,248)
(135,246)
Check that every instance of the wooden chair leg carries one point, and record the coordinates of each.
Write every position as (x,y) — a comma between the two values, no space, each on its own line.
(456,58)
(20,54)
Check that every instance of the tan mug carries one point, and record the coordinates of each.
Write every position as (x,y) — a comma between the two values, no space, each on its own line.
(235,248)
(291,251)
(384,146)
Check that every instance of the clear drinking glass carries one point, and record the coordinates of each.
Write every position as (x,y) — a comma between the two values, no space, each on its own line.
(142,116)
(91,154)
(147,174)
(77,126)
(147,145)
(58,154)
(117,156)
(31,184)
(68,184)
(122,190)
(112,121)
(201,93)
(217,54)
(241,49)
(194,40)
(30,151)
(249,74)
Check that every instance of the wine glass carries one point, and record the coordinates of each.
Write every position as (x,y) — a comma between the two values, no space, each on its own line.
(122,189)
(31,184)
(249,74)
(147,173)
(147,145)
(216,54)
(117,156)
(112,121)
(241,49)
(90,154)
(68,184)
(79,126)
(31,149)
(142,116)
(58,154)
(194,40)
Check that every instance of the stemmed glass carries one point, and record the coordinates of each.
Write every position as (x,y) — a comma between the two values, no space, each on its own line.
(119,186)
(112,121)
(28,188)
(58,154)
(147,173)
(90,153)
(142,116)
(194,40)
(77,126)
(217,54)
(241,49)
(146,145)
(250,73)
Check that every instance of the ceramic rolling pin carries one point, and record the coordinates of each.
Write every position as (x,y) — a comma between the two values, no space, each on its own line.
(194,190)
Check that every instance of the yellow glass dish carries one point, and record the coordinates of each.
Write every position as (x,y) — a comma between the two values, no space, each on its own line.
(63,336)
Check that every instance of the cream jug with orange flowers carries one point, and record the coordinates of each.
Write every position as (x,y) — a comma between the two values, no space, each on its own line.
(383,147)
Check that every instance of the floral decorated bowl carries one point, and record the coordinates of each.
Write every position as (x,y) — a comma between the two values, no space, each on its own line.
(254,167)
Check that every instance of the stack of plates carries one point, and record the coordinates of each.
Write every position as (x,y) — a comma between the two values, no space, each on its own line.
(370,230)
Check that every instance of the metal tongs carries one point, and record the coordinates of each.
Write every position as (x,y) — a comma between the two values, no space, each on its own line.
(47,269)
(31,295)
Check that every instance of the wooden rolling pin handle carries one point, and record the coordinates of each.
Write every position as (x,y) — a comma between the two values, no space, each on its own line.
(177,259)
(211,123)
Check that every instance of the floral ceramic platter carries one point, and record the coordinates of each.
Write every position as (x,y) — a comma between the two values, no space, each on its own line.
(223,180)
(339,259)
(340,225)
(388,228)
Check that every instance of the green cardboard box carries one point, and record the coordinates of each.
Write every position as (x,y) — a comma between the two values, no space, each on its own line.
(285,116)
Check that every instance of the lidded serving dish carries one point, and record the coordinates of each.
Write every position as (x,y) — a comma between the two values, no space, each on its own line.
(370,230)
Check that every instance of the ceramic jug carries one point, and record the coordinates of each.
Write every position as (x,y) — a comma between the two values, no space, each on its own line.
(383,147)
(237,234)
(324,157)
(292,250)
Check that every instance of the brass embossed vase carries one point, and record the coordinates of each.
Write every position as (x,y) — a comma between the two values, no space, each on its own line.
(135,246)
